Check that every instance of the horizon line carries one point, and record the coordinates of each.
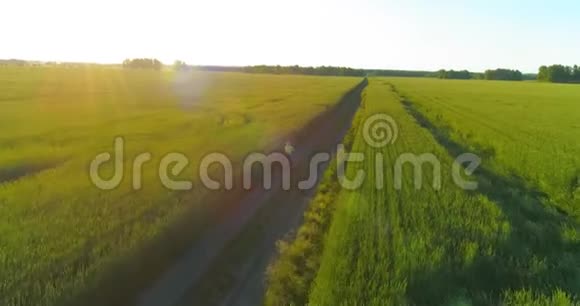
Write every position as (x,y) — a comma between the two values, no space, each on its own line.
(253,65)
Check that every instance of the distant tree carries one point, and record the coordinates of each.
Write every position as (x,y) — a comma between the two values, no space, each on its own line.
(452,74)
(559,74)
(14,62)
(544,74)
(576,74)
(179,65)
(503,75)
(477,76)
(143,63)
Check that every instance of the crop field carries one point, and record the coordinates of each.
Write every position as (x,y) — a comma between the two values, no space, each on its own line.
(514,240)
(527,130)
(59,234)
(410,234)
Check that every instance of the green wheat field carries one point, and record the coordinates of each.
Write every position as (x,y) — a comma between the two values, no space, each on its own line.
(515,240)
(59,233)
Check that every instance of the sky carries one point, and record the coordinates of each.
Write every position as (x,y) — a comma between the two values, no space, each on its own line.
(386,34)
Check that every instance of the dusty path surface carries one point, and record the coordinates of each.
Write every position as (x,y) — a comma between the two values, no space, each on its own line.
(271,214)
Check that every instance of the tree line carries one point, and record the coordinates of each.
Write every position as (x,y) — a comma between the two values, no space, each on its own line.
(452,74)
(143,63)
(490,74)
(559,74)
(554,73)
(322,71)
(398,73)
(504,75)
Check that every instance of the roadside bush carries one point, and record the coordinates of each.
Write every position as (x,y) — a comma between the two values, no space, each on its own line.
(290,276)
